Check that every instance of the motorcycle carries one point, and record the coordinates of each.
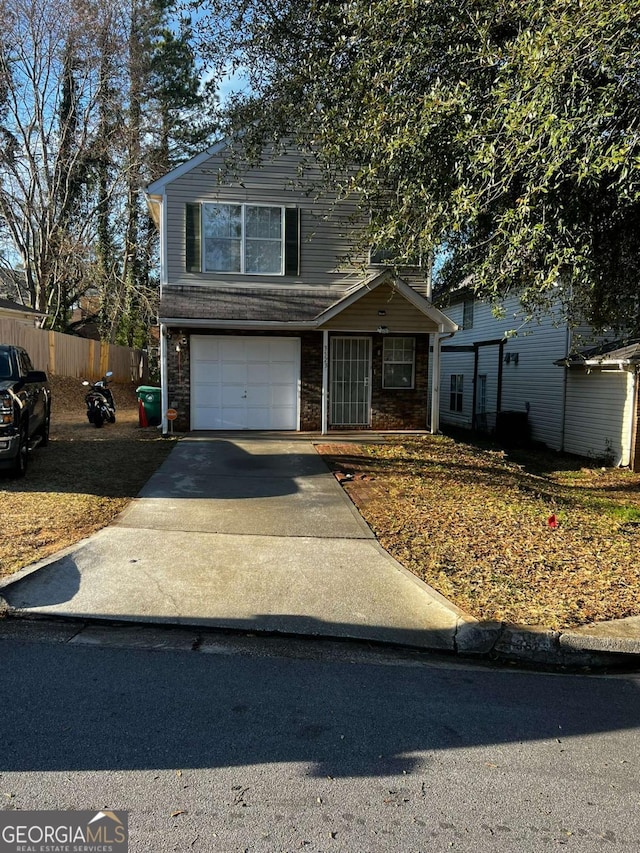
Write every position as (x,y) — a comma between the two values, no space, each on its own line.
(101,407)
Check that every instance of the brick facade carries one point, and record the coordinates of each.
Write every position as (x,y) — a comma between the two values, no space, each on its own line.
(399,408)
(391,409)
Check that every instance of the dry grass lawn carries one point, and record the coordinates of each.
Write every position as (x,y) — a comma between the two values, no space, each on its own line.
(473,522)
(81,481)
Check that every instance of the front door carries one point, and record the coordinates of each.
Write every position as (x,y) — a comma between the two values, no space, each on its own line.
(350,393)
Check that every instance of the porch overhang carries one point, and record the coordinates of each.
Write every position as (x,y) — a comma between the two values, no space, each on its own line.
(384,303)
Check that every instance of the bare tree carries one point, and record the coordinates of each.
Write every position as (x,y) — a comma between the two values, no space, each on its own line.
(50,134)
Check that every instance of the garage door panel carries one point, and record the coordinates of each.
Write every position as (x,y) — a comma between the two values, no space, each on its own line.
(232,349)
(258,374)
(244,382)
(259,395)
(282,396)
(205,372)
(233,372)
(283,373)
(257,350)
(232,395)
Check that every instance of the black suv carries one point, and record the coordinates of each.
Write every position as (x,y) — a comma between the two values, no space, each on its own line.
(25,408)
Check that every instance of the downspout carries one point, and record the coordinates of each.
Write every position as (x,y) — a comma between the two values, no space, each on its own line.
(164,391)
(500,370)
(634,461)
(474,402)
(565,383)
(435,380)
(325,381)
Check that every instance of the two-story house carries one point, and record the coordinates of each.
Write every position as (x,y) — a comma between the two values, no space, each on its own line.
(579,399)
(270,321)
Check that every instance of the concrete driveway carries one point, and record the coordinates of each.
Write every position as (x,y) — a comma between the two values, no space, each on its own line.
(241,531)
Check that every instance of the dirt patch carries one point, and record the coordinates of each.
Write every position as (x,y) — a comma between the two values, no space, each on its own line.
(81,481)
(529,538)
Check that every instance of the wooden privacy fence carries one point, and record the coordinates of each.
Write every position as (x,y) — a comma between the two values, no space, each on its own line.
(66,355)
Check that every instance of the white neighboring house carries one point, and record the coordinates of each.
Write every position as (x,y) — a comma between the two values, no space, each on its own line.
(496,373)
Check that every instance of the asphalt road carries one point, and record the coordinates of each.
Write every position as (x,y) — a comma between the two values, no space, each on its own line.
(256,744)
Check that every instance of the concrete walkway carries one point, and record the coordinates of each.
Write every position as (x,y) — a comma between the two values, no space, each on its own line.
(250,531)
(242,531)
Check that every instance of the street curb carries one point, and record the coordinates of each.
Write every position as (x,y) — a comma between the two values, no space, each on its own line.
(542,646)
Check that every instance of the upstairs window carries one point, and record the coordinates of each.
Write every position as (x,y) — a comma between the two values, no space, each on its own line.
(388,256)
(467,314)
(398,362)
(246,239)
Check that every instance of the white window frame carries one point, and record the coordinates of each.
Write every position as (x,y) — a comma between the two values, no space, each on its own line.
(243,238)
(386,344)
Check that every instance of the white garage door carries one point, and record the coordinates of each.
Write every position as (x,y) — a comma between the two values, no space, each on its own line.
(244,382)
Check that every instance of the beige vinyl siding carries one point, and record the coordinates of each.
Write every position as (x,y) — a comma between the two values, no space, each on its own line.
(325,241)
(599,414)
(399,314)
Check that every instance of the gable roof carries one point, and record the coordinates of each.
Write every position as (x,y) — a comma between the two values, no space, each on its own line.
(386,276)
(621,353)
(156,188)
(17,308)
(292,307)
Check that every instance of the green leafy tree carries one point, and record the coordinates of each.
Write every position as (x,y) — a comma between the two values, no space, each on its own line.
(503,135)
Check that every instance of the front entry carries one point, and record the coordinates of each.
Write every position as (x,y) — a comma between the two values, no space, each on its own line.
(350,391)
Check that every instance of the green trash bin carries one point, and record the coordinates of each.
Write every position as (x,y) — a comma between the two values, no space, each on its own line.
(149,405)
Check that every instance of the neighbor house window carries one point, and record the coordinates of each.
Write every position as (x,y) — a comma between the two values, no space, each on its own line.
(467,314)
(247,239)
(398,362)
(455,398)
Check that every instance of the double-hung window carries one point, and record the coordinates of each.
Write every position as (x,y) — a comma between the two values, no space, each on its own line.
(248,239)
(455,397)
(398,362)
(243,238)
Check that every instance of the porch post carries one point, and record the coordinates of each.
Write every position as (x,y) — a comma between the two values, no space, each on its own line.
(325,381)
(164,390)
(435,385)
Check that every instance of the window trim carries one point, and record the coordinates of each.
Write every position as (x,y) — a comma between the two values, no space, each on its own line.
(380,261)
(243,237)
(386,341)
(468,310)
(195,239)
(456,393)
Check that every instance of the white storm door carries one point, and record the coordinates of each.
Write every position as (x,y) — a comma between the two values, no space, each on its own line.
(350,392)
(244,382)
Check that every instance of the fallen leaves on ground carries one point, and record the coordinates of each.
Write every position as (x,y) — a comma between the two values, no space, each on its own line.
(81,481)
(533,538)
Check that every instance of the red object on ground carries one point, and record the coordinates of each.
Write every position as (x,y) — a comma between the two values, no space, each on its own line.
(552,521)
(142,415)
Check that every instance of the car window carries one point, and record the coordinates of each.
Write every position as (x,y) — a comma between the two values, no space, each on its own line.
(5,366)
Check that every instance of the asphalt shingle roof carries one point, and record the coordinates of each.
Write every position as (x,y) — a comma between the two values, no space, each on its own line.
(229,303)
